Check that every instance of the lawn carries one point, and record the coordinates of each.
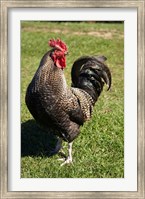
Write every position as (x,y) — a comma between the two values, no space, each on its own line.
(98,152)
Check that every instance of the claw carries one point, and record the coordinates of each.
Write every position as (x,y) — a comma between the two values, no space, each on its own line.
(61,159)
(67,161)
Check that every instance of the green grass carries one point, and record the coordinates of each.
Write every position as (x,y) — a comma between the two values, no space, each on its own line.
(98,152)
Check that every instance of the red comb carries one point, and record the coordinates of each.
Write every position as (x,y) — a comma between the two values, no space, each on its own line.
(57,44)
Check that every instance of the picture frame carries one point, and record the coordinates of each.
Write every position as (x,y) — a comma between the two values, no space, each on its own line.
(5,5)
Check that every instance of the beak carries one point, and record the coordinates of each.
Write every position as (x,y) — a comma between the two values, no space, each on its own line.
(66,53)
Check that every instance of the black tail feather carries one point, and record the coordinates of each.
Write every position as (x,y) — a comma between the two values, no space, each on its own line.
(90,74)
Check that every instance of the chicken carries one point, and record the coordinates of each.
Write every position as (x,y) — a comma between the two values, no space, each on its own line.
(56,106)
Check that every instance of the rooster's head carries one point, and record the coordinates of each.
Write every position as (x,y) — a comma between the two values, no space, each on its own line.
(59,53)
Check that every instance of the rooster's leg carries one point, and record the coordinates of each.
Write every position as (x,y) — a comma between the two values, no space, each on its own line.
(69,158)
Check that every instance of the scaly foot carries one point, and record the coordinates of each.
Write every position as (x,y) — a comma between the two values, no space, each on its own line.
(67,161)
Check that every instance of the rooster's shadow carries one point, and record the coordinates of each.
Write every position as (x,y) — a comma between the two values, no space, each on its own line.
(35,141)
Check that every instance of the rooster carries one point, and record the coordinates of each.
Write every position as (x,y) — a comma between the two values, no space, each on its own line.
(56,106)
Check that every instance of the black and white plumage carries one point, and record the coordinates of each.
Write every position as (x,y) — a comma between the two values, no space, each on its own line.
(64,109)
